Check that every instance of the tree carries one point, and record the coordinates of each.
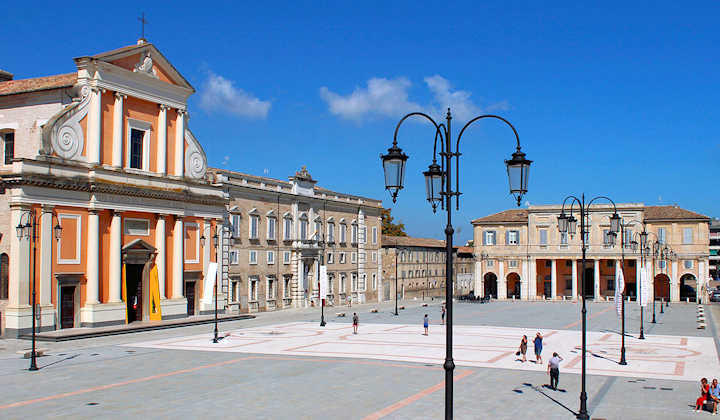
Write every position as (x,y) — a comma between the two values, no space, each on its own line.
(389,228)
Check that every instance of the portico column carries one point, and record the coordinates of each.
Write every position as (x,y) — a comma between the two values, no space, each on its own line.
(178,259)
(93,257)
(478,279)
(162,140)
(638,286)
(117,158)
(220,274)
(524,283)
(553,278)
(18,292)
(115,257)
(94,126)
(161,255)
(501,281)
(46,245)
(674,283)
(180,143)
(702,281)
(651,271)
(596,279)
(532,279)
(574,279)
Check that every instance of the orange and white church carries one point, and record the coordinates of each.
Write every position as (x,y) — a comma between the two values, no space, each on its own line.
(109,188)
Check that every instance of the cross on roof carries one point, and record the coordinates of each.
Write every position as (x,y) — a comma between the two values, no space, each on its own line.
(142,23)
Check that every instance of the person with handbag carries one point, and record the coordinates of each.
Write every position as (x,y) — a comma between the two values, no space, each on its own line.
(523,348)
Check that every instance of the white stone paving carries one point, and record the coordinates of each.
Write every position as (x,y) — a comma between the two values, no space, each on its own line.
(657,357)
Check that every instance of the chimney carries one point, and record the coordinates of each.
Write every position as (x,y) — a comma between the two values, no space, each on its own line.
(5,76)
(141,41)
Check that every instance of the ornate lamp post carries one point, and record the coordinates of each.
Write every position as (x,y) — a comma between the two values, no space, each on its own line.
(215,245)
(439,190)
(28,231)
(568,224)
(624,242)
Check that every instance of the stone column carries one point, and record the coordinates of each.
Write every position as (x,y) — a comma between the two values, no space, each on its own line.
(478,279)
(574,279)
(94,135)
(651,277)
(18,287)
(674,283)
(180,144)
(115,294)
(208,245)
(638,286)
(162,140)
(178,259)
(524,282)
(160,259)
(532,279)
(93,258)
(117,145)
(702,281)
(501,281)
(553,278)
(220,274)
(596,279)
(45,263)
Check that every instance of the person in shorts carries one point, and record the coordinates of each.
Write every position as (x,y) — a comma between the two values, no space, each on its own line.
(537,342)
(554,370)
(426,321)
(356,321)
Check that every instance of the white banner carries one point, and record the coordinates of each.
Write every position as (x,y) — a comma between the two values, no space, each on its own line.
(619,287)
(323,282)
(644,287)
(209,283)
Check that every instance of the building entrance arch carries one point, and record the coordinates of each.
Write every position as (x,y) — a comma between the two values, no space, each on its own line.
(688,287)
(661,287)
(513,286)
(490,285)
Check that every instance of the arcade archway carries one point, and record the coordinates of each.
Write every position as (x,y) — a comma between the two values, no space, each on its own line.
(662,287)
(513,286)
(490,285)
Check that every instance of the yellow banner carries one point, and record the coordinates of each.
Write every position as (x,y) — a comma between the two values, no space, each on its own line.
(155,310)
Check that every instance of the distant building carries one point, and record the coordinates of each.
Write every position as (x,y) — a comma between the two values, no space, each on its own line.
(521,253)
(715,249)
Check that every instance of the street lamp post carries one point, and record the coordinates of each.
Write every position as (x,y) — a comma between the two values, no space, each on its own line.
(397,255)
(438,185)
(569,224)
(216,339)
(28,231)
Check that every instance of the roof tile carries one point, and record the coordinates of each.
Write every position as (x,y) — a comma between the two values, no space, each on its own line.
(13,87)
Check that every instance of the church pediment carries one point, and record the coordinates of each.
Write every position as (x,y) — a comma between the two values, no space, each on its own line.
(138,245)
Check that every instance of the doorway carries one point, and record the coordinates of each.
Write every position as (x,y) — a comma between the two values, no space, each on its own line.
(67,307)
(190,296)
(589,283)
(490,286)
(134,291)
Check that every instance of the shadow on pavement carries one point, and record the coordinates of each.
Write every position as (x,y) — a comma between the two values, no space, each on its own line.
(60,361)
(541,391)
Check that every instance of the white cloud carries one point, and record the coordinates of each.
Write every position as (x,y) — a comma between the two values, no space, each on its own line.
(220,95)
(389,97)
(226,160)
(386,97)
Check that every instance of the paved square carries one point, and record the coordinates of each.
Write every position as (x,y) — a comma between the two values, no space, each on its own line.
(657,357)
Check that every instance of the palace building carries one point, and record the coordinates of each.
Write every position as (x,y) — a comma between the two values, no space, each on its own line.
(281,232)
(111,191)
(521,254)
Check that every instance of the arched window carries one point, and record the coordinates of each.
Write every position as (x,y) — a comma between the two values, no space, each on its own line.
(4,275)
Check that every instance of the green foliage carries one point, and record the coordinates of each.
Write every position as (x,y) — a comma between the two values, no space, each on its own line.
(389,228)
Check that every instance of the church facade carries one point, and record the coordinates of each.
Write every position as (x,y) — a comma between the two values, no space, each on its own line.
(106,198)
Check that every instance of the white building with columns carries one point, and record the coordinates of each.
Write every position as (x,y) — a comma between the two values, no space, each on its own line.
(105,153)
(521,254)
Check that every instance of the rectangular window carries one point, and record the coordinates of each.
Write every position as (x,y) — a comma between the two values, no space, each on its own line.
(512,263)
(235,225)
(234,257)
(69,245)
(661,235)
(303,229)
(687,236)
(563,238)
(253,289)
(362,283)
(354,233)
(271,222)
(543,237)
(342,258)
(489,237)
(287,235)
(627,239)
(343,233)
(270,288)
(9,148)
(271,257)
(663,264)
(402,274)
(136,148)
(331,284)
(330,258)
(610,263)
(374,256)
(490,263)
(606,238)
(688,264)
(342,283)
(513,237)
(137,227)
(252,257)
(286,286)
(353,257)
(318,230)
(234,290)
(354,282)
(374,281)
(331,232)
(374,234)
(286,257)
(254,223)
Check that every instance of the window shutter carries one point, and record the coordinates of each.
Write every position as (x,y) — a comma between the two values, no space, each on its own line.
(484,238)
(507,237)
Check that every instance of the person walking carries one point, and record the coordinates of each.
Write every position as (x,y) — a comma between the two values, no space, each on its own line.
(704,391)
(537,342)
(426,321)
(356,321)
(442,313)
(523,348)
(554,370)
(349,301)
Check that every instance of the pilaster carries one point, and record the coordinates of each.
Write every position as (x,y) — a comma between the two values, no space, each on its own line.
(45,263)
(162,140)
(596,280)
(118,111)
(115,257)
(501,281)
(161,258)
(178,259)
(93,258)
(553,278)
(574,279)
(180,144)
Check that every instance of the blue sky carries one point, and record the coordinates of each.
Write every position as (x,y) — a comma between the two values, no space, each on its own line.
(620,99)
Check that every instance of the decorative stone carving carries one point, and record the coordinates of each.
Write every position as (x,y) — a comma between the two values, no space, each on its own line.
(146,66)
(62,134)
(195,159)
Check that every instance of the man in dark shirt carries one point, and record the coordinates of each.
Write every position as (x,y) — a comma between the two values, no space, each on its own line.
(356,320)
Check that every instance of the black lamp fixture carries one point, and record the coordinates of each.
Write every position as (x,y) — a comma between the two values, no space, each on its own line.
(394,167)
(518,170)
(433,184)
